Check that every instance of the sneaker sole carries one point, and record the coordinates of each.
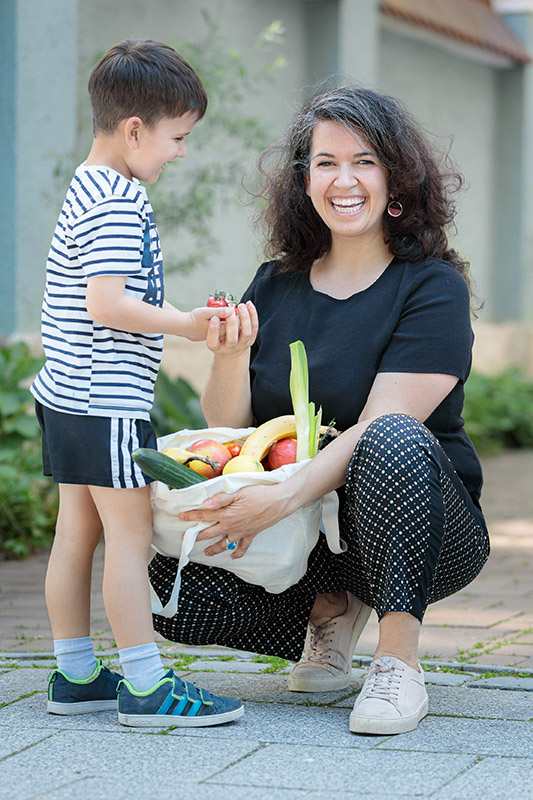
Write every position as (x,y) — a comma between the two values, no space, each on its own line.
(86,707)
(168,720)
(324,683)
(388,726)
(330,683)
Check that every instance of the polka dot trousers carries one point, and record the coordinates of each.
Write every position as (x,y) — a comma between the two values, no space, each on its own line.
(413,536)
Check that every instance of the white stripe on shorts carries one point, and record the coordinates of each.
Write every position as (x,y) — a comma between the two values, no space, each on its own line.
(135,444)
(113,450)
(126,456)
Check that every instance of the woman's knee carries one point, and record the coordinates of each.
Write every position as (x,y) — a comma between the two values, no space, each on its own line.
(392,445)
(393,428)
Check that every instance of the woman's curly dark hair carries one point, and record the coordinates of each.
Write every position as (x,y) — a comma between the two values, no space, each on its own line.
(295,232)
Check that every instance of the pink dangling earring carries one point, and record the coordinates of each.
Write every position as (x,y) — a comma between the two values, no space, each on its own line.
(395,208)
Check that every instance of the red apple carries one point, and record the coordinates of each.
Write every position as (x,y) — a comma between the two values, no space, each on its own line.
(282,452)
(215,450)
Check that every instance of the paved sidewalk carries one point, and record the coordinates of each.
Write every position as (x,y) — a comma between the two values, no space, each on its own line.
(477,741)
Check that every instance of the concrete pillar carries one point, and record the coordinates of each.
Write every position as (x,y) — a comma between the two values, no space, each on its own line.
(38,70)
(358,41)
(513,278)
(320,19)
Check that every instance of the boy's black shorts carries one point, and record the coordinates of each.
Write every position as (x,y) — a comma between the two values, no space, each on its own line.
(94,451)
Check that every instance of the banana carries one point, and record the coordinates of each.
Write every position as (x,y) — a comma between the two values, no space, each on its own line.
(258,442)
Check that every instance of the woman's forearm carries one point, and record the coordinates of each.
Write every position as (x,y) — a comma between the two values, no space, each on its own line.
(226,400)
(325,472)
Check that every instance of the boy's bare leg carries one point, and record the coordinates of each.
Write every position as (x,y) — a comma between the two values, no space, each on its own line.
(68,577)
(127,519)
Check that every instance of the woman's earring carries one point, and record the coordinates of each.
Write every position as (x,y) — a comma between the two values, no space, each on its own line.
(395,208)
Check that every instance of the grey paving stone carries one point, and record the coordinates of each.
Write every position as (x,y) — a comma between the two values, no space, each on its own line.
(292,725)
(30,714)
(504,682)
(248,667)
(69,756)
(328,769)
(14,740)
(264,721)
(465,702)
(461,736)
(446,678)
(203,651)
(153,788)
(270,688)
(16,682)
(492,779)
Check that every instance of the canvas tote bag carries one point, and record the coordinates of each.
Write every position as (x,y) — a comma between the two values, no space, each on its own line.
(277,557)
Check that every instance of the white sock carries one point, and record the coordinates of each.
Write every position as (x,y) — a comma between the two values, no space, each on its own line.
(142,666)
(75,657)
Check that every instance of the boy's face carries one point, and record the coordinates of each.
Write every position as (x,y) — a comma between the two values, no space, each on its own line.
(159,145)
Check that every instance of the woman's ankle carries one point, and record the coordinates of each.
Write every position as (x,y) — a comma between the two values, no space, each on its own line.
(330,605)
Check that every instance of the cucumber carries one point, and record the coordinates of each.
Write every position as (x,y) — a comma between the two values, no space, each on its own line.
(165,469)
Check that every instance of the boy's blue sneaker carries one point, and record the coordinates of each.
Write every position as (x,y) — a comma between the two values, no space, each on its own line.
(98,692)
(174,702)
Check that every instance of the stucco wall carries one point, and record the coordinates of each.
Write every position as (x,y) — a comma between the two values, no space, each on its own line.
(456,99)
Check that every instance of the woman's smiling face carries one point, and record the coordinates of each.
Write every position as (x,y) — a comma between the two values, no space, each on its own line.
(346,182)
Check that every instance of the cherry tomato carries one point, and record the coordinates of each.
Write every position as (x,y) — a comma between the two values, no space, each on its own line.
(233,447)
(221,300)
(216,302)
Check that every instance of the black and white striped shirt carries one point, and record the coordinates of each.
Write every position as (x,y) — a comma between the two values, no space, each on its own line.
(106,227)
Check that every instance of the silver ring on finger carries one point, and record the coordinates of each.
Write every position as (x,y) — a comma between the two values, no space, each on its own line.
(230,545)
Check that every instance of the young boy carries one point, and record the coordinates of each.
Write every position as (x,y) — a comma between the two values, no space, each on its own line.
(103,321)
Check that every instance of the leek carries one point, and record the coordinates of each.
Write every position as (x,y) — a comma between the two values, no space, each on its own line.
(314,442)
(307,422)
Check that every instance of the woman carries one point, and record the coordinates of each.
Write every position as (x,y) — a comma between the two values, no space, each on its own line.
(356,212)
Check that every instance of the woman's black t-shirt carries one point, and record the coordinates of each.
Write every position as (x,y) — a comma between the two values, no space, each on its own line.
(414,318)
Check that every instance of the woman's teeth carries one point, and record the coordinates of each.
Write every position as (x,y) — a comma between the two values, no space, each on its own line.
(348,205)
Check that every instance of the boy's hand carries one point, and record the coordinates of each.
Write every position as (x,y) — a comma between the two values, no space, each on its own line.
(198,321)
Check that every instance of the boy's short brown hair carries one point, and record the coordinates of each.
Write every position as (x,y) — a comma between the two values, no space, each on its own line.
(143,78)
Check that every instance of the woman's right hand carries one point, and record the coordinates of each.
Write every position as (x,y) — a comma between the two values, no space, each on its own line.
(236,334)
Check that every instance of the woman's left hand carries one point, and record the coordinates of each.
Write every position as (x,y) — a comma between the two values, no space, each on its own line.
(239,516)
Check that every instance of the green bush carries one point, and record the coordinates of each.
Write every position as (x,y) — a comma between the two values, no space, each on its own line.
(498,410)
(176,406)
(28,502)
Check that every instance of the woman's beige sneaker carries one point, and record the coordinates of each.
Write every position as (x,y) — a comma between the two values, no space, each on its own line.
(327,661)
(393,699)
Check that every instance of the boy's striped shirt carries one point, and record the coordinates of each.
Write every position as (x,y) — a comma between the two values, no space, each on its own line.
(106,227)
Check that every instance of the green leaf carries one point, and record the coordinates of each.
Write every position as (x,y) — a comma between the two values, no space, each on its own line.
(299,386)
(313,447)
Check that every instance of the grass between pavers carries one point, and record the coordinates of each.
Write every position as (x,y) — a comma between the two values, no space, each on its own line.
(22,697)
(181,660)
(275,663)
(483,649)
